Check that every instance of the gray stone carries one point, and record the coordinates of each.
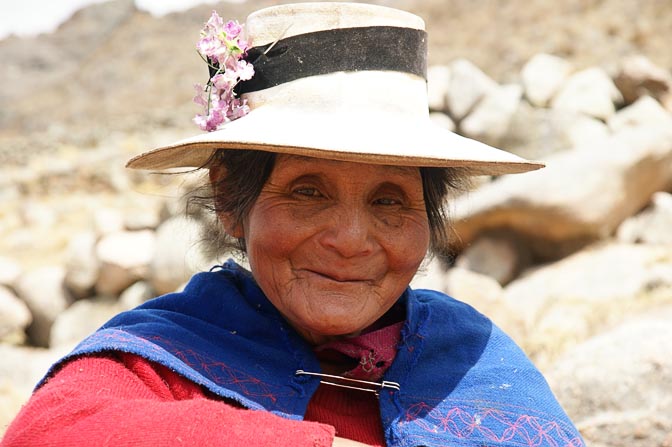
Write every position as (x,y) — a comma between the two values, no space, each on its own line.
(177,255)
(14,317)
(644,111)
(653,225)
(490,119)
(572,202)
(590,91)
(124,258)
(542,77)
(563,303)
(81,265)
(43,292)
(617,386)
(108,221)
(468,85)
(438,81)
(10,270)
(638,77)
(135,295)
(497,255)
(536,133)
(81,319)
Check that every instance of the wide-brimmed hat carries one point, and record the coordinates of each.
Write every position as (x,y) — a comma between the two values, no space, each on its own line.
(341,81)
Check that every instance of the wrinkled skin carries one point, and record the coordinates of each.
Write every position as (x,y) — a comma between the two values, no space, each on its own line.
(334,244)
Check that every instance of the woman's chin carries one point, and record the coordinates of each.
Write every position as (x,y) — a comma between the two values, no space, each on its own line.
(321,334)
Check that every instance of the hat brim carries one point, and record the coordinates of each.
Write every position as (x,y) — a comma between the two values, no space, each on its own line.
(347,136)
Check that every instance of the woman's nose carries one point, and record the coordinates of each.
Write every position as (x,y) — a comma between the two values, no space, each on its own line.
(349,233)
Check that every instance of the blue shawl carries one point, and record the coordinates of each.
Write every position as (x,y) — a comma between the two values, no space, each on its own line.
(463,382)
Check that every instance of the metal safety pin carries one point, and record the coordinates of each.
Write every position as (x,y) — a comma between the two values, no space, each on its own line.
(376,386)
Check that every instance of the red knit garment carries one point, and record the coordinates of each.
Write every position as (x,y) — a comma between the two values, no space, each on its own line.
(126,401)
(110,400)
(354,414)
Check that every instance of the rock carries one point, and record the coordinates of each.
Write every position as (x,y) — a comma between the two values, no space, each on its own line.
(590,91)
(108,221)
(490,118)
(14,317)
(177,255)
(438,81)
(135,295)
(638,77)
(572,202)
(651,226)
(566,302)
(542,77)
(536,133)
(145,219)
(645,110)
(468,84)
(82,319)
(124,258)
(617,386)
(586,132)
(81,265)
(442,120)
(43,292)
(498,255)
(37,214)
(10,271)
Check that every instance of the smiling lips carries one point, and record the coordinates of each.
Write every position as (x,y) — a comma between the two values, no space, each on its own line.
(339,276)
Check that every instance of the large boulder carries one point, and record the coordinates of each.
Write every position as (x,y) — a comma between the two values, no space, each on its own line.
(81,265)
(124,258)
(645,110)
(535,133)
(10,270)
(499,255)
(590,91)
(566,302)
(44,293)
(81,319)
(438,79)
(467,86)
(490,119)
(14,317)
(582,195)
(177,256)
(653,225)
(542,77)
(638,76)
(617,386)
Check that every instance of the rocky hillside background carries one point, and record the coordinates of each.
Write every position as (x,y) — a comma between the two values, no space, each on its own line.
(574,261)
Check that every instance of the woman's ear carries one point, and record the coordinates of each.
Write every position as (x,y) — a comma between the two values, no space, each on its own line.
(228,221)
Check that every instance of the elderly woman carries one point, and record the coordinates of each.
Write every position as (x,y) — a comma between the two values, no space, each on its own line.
(327,174)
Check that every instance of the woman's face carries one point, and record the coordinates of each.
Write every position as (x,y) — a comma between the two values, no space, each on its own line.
(334,244)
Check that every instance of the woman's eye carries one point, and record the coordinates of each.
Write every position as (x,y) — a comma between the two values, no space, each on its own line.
(387,201)
(310,192)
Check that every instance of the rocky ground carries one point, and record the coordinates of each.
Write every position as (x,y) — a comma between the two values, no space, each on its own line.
(574,261)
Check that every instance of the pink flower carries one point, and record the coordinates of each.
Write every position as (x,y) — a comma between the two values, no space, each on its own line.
(232,29)
(223,46)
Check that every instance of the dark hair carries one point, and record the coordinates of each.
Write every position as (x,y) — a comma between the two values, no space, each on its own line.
(235,194)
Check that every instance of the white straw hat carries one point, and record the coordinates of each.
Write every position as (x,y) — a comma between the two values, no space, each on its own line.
(342,81)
